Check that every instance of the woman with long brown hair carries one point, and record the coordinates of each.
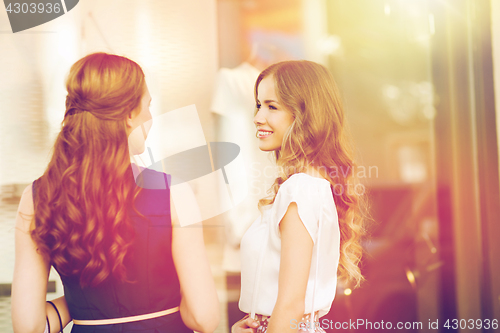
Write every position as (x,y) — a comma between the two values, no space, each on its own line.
(125,263)
(308,233)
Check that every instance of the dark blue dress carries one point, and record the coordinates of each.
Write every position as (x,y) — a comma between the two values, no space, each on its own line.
(148,262)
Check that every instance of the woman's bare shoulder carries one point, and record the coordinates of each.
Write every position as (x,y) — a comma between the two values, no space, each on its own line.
(25,210)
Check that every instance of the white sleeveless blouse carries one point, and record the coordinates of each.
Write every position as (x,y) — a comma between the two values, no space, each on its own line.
(261,246)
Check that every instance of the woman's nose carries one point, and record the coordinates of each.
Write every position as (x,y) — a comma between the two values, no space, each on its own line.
(258,119)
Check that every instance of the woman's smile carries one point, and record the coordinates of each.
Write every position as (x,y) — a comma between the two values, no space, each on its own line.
(262,134)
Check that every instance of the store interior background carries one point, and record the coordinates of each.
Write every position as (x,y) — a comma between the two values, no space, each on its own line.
(418,87)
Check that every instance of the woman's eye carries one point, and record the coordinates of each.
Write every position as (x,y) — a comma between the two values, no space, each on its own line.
(257,108)
(272,107)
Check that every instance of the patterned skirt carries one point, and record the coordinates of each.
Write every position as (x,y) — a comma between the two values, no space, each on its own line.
(304,326)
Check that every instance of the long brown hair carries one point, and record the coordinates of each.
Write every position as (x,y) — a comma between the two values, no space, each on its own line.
(318,133)
(81,223)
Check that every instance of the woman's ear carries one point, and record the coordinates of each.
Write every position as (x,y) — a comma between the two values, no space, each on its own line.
(130,120)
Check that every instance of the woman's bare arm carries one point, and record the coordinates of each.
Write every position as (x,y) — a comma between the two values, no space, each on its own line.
(295,263)
(199,304)
(31,273)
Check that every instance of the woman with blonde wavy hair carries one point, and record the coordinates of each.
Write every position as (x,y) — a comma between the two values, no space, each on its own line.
(125,263)
(308,232)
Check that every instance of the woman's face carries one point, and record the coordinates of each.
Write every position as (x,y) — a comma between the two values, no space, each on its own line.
(272,119)
(139,118)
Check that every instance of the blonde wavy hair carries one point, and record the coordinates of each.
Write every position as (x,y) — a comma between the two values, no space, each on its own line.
(81,222)
(319,133)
